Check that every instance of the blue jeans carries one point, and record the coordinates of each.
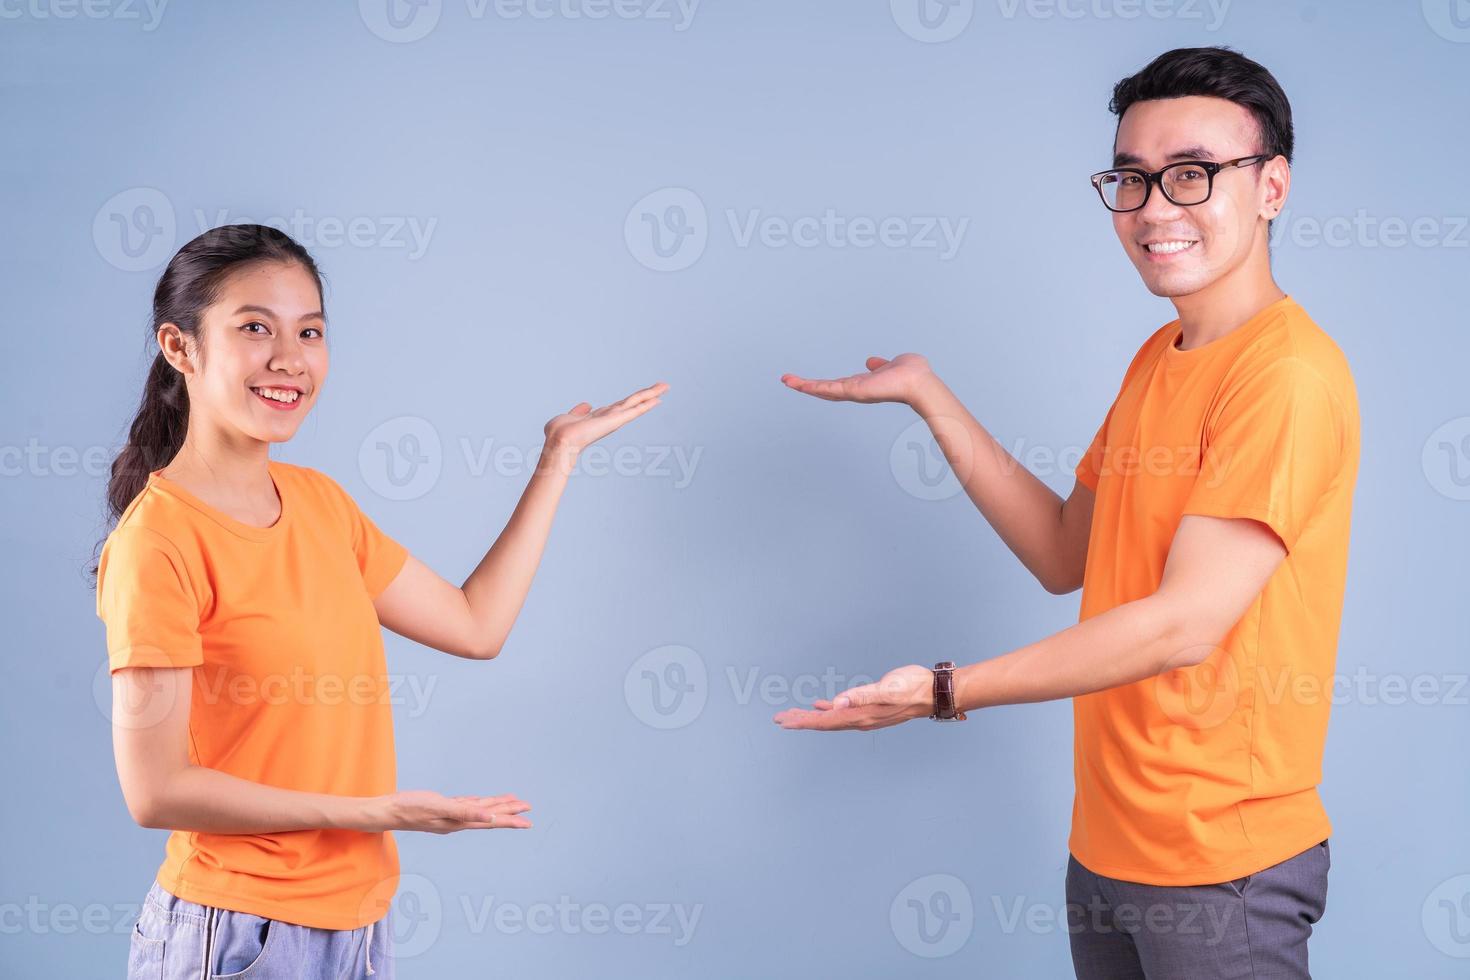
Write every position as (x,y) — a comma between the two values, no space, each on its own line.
(174,939)
(1256,926)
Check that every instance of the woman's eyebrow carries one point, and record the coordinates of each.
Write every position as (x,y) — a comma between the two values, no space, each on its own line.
(248,308)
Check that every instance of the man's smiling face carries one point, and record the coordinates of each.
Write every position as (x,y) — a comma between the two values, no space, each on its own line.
(1181,250)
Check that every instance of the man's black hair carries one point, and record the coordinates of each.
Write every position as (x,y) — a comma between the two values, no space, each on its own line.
(1216,71)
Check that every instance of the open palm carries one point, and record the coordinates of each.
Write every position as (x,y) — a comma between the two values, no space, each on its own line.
(582,425)
(885,381)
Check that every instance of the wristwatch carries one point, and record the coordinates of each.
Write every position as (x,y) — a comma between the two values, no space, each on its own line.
(944,706)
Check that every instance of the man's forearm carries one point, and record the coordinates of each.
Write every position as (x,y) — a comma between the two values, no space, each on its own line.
(1025,512)
(1127,643)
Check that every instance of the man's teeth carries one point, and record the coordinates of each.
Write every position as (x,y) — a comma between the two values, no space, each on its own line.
(278,394)
(1167,247)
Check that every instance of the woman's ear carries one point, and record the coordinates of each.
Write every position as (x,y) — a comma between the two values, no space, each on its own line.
(175,349)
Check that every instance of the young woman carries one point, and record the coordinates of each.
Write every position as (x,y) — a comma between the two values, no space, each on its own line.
(242,598)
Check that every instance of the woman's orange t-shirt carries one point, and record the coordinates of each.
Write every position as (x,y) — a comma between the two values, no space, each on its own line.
(290,685)
(1209,773)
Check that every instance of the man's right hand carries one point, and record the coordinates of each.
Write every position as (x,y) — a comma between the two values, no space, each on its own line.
(904,379)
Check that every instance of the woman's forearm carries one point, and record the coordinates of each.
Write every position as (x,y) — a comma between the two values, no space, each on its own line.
(497,588)
(204,799)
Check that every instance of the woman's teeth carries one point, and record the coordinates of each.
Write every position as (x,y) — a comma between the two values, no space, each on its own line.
(278,394)
(1167,248)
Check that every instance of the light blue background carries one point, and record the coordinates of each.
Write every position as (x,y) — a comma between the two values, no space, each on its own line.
(795,548)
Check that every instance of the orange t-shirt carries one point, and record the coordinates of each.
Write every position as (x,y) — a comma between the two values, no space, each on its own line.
(290,687)
(1209,773)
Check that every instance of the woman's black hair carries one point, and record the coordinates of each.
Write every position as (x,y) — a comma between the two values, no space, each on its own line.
(1220,72)
(190,284)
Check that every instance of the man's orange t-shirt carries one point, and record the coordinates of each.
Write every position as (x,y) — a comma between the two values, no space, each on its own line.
(290,685)
(1209,773)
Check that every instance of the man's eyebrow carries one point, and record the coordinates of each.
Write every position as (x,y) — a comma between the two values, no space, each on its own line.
(247,308)
(1195,152)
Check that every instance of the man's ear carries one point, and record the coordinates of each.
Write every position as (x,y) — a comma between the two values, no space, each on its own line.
(1276,184)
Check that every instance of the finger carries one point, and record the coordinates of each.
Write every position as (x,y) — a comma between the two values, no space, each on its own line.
(833,390)
(857,697)
(874,363)
(821,721)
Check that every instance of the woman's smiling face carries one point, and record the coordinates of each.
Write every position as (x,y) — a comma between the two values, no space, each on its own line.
(265,352)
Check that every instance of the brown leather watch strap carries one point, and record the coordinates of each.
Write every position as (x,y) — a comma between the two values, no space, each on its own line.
(944,705)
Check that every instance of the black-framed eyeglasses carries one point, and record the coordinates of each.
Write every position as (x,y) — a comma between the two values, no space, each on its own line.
(1186,183)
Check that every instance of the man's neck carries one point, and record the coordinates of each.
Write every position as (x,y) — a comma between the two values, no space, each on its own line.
(1224,305)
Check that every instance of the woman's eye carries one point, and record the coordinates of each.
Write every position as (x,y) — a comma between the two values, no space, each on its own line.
(316,330)
(253,323)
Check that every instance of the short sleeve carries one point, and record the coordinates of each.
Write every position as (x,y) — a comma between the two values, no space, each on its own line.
(1089,468)
(146,600)
(379,557)
(1273,448)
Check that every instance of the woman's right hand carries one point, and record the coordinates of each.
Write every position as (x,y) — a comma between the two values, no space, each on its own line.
(903,379)
(421,809)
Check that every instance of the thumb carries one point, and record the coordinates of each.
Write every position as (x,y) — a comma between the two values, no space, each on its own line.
(581,408)
(855,697)
(874,363)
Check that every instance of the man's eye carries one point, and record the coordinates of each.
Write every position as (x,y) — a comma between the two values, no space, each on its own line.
(1191,173)
(1131,179)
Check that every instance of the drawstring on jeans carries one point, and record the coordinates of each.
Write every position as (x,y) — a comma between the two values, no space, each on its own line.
(211,925)
(370,970)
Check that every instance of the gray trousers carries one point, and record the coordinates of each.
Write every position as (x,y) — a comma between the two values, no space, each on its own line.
(1254,927)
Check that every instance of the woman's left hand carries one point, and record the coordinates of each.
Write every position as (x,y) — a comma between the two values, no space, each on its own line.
(576,429)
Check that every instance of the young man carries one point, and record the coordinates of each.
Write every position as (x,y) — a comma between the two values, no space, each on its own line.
(1208,528)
